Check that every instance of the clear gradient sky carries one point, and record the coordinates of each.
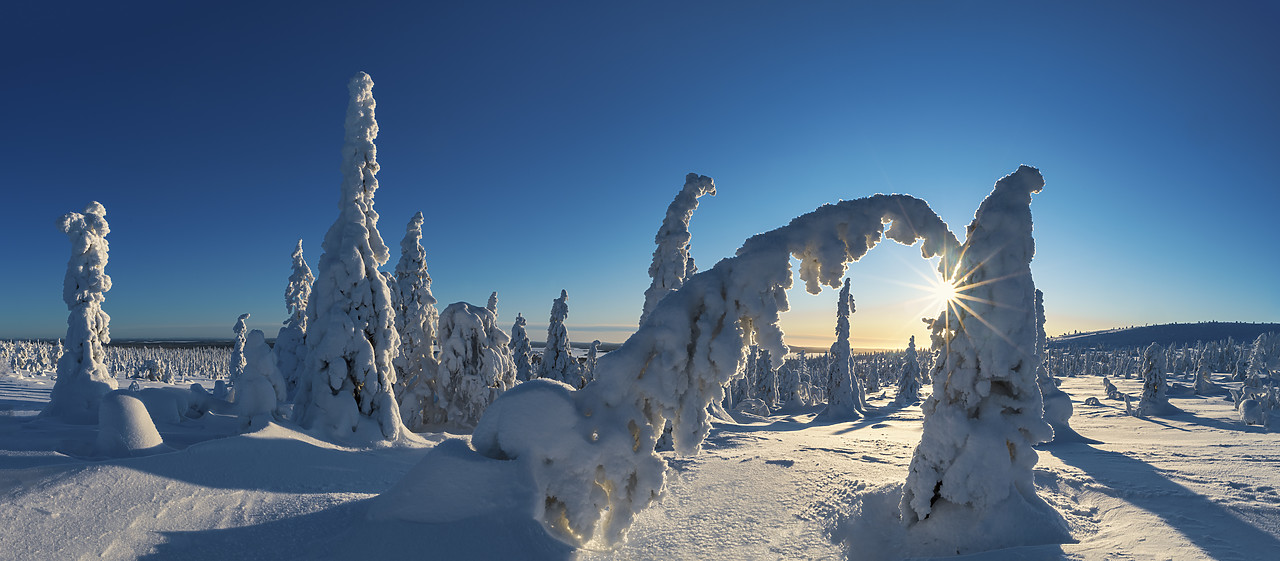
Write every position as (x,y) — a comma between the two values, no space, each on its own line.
(543,144)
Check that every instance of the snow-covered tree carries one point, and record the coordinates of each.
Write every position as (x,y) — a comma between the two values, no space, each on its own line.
(492,306)
(672,263)
(351,337)
(1057,404)
(260,389)
(791,394)
(589,371)
(291,347)
(521,350)
(844,393)
(1204,379)
(970,484)
(83,377)
(235,365)
(475,363)
(416,318)
(557,359)
(909,379)
(766,380)
(1155,391)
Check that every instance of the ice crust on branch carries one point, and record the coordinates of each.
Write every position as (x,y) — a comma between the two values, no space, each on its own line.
(593,459)
(83,377)
(352,338)
(672,263)
(970,484)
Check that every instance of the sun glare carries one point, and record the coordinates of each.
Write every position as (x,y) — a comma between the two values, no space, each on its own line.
(942,291)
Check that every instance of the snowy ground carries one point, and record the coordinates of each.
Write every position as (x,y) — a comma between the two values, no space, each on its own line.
(1190,486)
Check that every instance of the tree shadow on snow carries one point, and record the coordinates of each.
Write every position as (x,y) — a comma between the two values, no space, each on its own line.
(1213,528)
(345,532)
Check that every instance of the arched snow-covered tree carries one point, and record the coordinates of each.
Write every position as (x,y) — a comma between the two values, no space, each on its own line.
(475,363)
(83,377)
(970,485)
(416,318)
(557,359)
(291,347)
(521,350)
(844,393)
(351,338)
(672,263)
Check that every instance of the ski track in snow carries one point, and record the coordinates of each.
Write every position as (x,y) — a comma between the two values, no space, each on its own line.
(1197,485)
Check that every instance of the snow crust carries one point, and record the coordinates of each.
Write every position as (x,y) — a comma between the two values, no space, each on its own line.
(83,377)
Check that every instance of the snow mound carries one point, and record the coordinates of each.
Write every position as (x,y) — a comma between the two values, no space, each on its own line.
(125,427)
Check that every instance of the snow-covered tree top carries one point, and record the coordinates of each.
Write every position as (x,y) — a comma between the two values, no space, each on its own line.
(492,306)
(359,174)
(411,252)
(86,278)
(298,292)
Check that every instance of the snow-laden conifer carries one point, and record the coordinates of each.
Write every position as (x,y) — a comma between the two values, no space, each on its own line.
(844,393)
(1057,404)
(1155,391)
(83,377)
(260,389)
(235,364)
(970,484)
(291,347)
(416,319)
(672,263)
(521,350)
(492,306)
(589,370)
(351,337)
(557,359)
(475,363)
(909,378)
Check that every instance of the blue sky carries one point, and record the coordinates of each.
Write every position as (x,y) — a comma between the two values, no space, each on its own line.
(543,144)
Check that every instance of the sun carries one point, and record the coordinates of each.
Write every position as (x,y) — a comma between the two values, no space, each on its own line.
(942,291)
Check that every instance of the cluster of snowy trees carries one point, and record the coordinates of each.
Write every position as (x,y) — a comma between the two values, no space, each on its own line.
(366,354)
(32,357)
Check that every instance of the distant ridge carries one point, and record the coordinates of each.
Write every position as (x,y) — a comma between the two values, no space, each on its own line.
(1165,334)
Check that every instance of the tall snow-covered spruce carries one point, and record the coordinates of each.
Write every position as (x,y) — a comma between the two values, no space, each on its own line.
(416,320)
(672,263)
(844,392)
(557,359)
(290,348)
(351,338)
(970,485)
(83,377)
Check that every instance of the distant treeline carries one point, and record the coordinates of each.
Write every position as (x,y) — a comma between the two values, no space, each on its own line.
(1165,334)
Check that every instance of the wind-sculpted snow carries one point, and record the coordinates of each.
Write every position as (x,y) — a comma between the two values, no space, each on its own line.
(970,483)
(598,469)
(83,377)
(351,337)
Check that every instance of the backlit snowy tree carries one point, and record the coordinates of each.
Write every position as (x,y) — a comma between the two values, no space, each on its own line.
(83,377)
(844,393)
(557,359)
(475,363)
(521,350)
(1057,404)
(909,379)
(672,263)
(416,319)
(351,338)
(291,347)
(970,485)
